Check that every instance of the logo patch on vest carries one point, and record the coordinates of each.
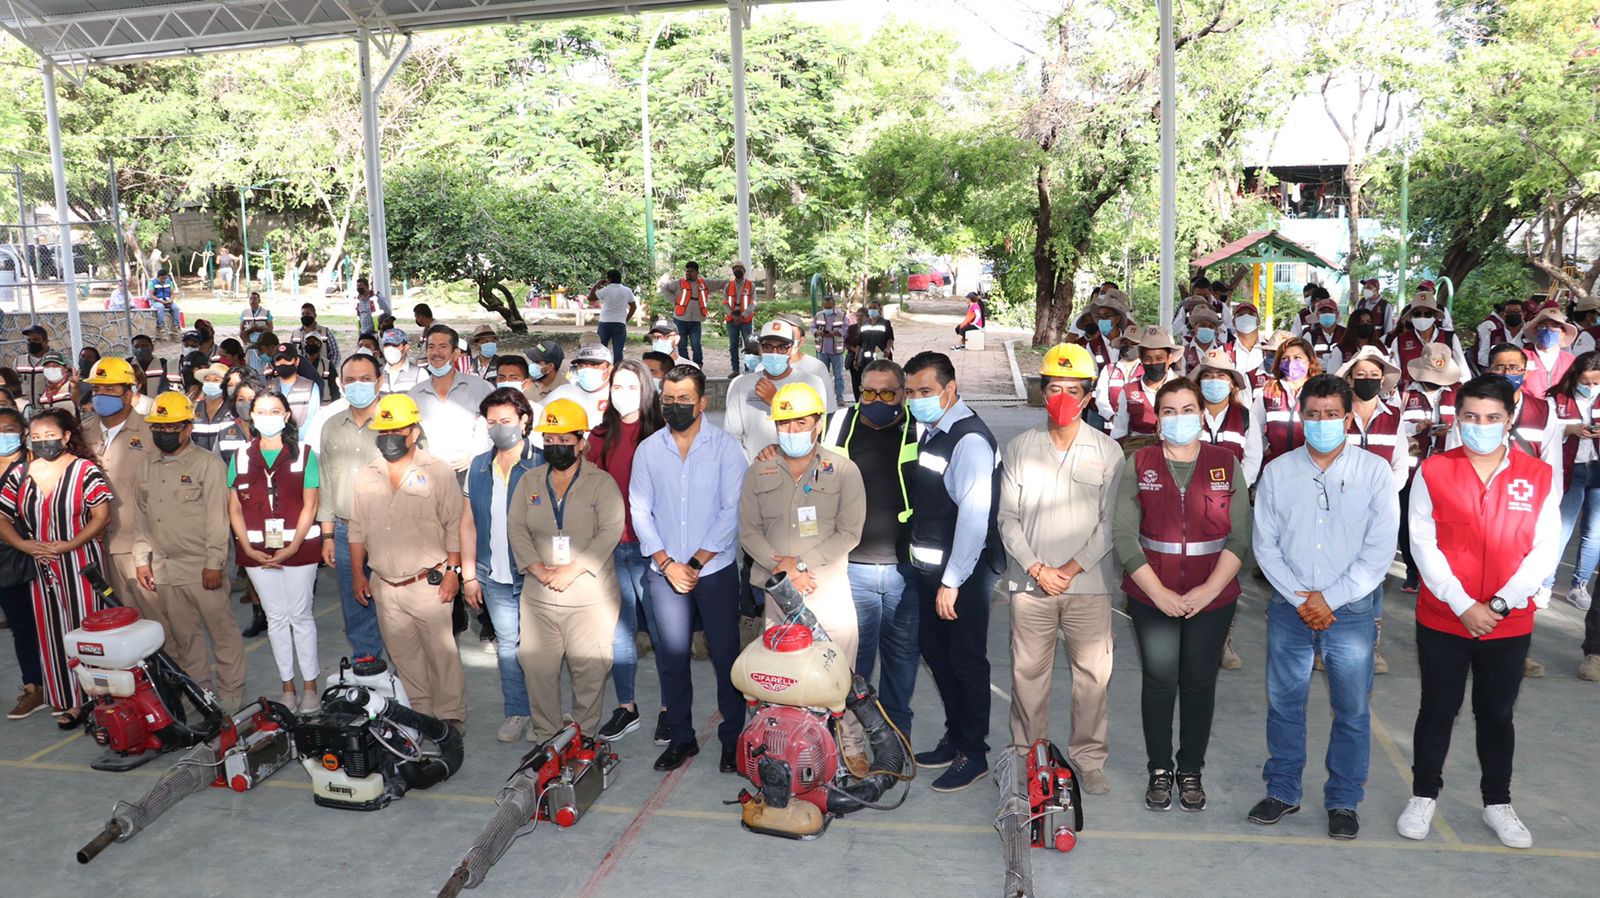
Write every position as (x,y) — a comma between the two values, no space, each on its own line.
(135,443)
(1519,491)
(185,479)
(533,499)
(1150,480)
(1219,479)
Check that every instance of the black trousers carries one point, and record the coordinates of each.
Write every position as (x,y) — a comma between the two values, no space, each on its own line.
(1591,630)
(1405,528)
(957,654)
(1444,660)
(17,604)
(1179,657)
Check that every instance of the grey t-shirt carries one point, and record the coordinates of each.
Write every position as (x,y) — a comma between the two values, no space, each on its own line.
(748,418)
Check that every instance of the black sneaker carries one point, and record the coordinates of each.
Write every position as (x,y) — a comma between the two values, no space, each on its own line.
(1270,810)
(1343,824)
(486,633)
(623,721)
(1158,796)
(943,755)
(663,732)
(963,772)
(1191,795)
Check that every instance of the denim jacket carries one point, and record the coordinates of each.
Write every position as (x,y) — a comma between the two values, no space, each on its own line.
(480,488)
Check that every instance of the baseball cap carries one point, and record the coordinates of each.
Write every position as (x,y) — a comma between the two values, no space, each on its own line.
(547,351)
(191,334)
(394,336)
(34,329)
(593,352)
(777,329)
(662,327)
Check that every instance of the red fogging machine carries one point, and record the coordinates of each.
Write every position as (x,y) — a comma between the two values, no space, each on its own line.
(558,781)
(1041,806)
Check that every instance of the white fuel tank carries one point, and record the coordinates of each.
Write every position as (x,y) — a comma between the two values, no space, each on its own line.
(114,639)
(785,667)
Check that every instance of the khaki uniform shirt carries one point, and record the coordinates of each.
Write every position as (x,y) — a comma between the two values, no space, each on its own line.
(410,529)
(343,449)
(820,525)
(591,517)
(1056,509)
(181,515)
(122,460)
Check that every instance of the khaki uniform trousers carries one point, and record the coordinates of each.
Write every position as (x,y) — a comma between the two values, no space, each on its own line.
(198,613)
(580,635)
(417,632)
(122,573)
(1085,622)
(835,610)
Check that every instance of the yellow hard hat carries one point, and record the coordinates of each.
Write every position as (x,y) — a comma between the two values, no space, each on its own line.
(395,411)
(796,401)
(563,416)
(171,407)
(111,370)
(1068,360)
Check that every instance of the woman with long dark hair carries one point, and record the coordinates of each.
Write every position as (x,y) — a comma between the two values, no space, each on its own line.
(17,573)
(273,512)
(54,507)
(633,415)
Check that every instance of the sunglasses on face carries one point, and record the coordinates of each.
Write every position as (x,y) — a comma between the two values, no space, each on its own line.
(889,396)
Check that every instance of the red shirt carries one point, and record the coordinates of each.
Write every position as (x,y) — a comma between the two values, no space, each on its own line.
(619,464)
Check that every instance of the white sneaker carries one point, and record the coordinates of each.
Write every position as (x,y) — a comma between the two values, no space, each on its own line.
(491,647)
(1541,599)
(310,702)
(1417,818)
(1503,820)
(511,729)
(1579,597)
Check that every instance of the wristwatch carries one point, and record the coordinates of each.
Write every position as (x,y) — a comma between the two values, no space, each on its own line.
(453,569)
(694,562)
(800,566)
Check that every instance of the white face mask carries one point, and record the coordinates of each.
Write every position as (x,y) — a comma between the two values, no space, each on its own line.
(625,402)
(54,374)
(1372,292)
(1422,323)
(393,354)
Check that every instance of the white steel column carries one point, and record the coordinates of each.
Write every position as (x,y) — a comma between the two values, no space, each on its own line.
(377,232)
(58,165)
(741,152)
(1169,165)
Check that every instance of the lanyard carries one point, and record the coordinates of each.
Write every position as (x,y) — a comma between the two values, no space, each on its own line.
(272,487)
(558,507)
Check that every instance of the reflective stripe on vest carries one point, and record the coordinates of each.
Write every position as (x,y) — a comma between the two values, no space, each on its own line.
(908,451)
(1211,547)
(686,291)
(740,301)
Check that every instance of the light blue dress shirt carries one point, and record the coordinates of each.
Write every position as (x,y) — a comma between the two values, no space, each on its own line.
(969,479)
(685,504)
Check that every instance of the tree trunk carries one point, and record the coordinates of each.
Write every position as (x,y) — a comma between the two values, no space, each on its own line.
(1355,230)
(771,266)
(1459,261)
(495,297)
(1053,286)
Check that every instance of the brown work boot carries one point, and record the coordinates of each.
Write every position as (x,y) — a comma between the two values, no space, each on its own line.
(1532,669)
(1230,658)
(858,765)
(1589,669)
(31,700)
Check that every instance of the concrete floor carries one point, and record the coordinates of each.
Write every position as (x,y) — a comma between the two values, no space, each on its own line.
(673,836)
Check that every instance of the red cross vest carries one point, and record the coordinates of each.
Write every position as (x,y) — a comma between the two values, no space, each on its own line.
(1230,431)
(1565,408)
(1282,431)
(1484,532)
(696,291)
(1141,406)
(274,492)
(1382,435)
(1183,531)
(1406,345)
(1540,380)
(740,301)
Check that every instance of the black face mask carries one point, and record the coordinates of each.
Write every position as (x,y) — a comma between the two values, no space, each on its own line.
(1513,321)
(143,354)
(85,367)
(680,416)
(560,457)
(168,443)
(1366,388)
(1128,353)
(1364,330)
(392,446)
(285,370)
(308,320)
(1154,372)
(35,347)
(49,450)
(880,414)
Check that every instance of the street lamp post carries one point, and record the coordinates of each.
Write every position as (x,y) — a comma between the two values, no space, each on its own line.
(649,178)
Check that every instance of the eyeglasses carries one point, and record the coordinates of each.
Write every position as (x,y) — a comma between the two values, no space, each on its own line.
(1508,369)
(1322,491)
(889,396)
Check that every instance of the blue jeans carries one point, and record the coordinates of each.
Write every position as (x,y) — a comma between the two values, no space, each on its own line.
(886,620)
(167,310)
(1581,500)
(1346,648)
(631,568)
(360,621)
(738,332)
(614,335)
(835,363)
(689,340)
(504,604)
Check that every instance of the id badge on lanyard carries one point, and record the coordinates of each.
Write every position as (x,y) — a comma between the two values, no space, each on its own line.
(560,544)
(273,530)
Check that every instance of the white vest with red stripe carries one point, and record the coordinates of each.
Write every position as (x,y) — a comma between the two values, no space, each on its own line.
(1282,431)
(696,291)
(1382,434)
(1183,532)
(1230,431)
(1484,532)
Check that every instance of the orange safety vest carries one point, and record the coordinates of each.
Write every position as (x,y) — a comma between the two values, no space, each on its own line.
(741,303)
(686,290)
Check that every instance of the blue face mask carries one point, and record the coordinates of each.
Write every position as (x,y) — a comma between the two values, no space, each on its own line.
(1215,390)
(1482,438)
(269,425)
(775,363)
(488,349)
(1246,324)
(1515,379)
(1105,326)
(752,362)
(360,394)
(925,409)
(590,379)
(1327,319)
(873,313)
(106,406)
(1586,391)
(662,346)
(211,389)
(1205,334)
(441,370)
(1325,436)
(880,414)
(10,443)
(1547,339)
(794,445)
(1180,430)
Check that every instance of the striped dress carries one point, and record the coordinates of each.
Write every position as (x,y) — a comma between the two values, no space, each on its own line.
(61,595)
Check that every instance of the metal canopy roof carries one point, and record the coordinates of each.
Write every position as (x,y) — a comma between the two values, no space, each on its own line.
(80,33)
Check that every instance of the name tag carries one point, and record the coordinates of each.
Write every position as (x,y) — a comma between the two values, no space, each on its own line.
(274,533)
(806,520)
(560,550)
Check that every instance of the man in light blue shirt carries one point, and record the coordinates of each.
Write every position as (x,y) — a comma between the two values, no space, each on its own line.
(684,497)
(1327,521)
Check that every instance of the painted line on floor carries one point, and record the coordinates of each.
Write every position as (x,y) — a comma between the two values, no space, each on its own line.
(1005,696)
(1399,761)
(52,747)
(656,802)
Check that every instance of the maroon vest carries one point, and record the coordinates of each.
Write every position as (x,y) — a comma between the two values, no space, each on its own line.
(275,492)
(1420,413)
(1532,418)
(1183,532)
(1383,437)
(1282,431)
(1230,435)
(1566,411)
(1407,345)
(1141,408)
(1322,342)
